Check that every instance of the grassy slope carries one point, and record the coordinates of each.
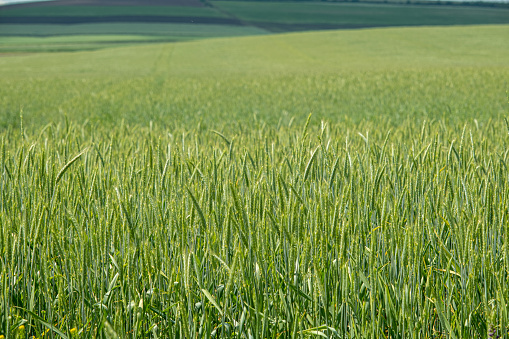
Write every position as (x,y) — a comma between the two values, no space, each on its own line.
(49,38)
(263,16)
(112,11)
(75,43)
(413,71)
(150,29)
(361,14)
(114,30)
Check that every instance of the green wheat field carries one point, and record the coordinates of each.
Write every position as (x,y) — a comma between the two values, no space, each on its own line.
(336,184)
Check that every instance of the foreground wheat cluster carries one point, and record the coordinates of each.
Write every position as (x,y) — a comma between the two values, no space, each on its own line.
(335,229)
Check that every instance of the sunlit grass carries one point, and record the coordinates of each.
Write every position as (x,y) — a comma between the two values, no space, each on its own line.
(363,229)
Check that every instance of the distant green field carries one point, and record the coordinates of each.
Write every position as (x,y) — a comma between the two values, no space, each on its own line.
(69,43)
(221,19)
(77,11)
(160,29)
(409,72)
(361,14)
(57,38)
(183,190)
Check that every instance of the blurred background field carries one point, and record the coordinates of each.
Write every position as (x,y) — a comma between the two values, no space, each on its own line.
(421,72)
(79,37)
(159,21)
(100,11)
(283,16)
